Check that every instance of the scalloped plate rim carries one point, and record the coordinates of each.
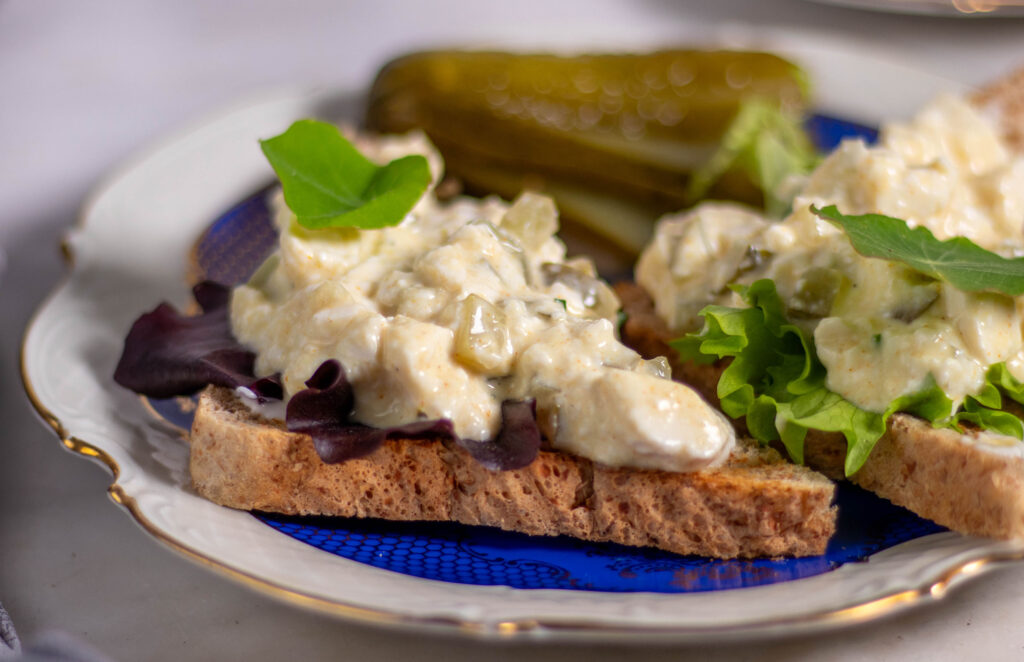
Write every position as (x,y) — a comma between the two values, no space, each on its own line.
(151,486)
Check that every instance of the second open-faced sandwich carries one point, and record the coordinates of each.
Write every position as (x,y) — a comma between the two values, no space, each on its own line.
(876,331)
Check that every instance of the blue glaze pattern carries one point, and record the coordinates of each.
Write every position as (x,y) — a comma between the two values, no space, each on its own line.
(243,236)
(484,556)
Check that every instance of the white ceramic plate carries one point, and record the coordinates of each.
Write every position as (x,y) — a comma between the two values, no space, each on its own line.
(130,251)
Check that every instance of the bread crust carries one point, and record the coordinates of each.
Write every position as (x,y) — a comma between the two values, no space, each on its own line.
(1004,100)
(756,505)
(956,480)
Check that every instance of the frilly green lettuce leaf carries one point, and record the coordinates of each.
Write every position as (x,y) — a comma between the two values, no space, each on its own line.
(999,376)
(777,382)
(985,409)
(775,379)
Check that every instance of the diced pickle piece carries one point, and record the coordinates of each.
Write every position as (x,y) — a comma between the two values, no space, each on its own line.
(658,366)
(532,220)
(263,272)
(508,241)
(606,303)
(482,340)
(753,258)
(594,292)
(270,279)
(583,265)
(919,298)
(815,293)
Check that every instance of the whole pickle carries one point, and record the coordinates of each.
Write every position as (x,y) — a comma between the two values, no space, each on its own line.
(614,138)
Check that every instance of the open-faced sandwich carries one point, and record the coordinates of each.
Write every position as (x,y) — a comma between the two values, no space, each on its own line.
(402,358)
(876,331)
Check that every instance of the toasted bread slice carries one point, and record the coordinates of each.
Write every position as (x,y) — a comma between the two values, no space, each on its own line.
(757,504)
(968,483)
(1004,101)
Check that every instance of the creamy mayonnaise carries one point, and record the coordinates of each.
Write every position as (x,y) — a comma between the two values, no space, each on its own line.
(880,328)
(459,307)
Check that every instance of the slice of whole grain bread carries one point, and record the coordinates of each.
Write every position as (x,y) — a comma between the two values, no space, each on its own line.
(971,483)
(757,504)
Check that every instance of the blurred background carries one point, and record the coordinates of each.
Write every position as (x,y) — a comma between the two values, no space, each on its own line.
(85,86)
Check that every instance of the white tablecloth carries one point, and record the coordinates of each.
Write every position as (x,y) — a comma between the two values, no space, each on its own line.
(84,85)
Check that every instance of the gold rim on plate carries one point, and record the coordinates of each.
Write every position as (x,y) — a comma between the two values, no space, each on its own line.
(518,629)
(515,629)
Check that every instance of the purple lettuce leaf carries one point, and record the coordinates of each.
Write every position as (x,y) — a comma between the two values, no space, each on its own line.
(322,411)
(167,354)
(517,443)
(212,296)
(323,408)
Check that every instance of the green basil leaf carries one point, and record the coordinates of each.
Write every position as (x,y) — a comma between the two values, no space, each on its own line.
(327,183)
(958,261)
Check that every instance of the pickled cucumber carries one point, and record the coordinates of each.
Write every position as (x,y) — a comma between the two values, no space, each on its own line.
(614,138)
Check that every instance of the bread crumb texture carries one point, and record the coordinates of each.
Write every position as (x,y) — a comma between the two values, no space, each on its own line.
(755,505)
